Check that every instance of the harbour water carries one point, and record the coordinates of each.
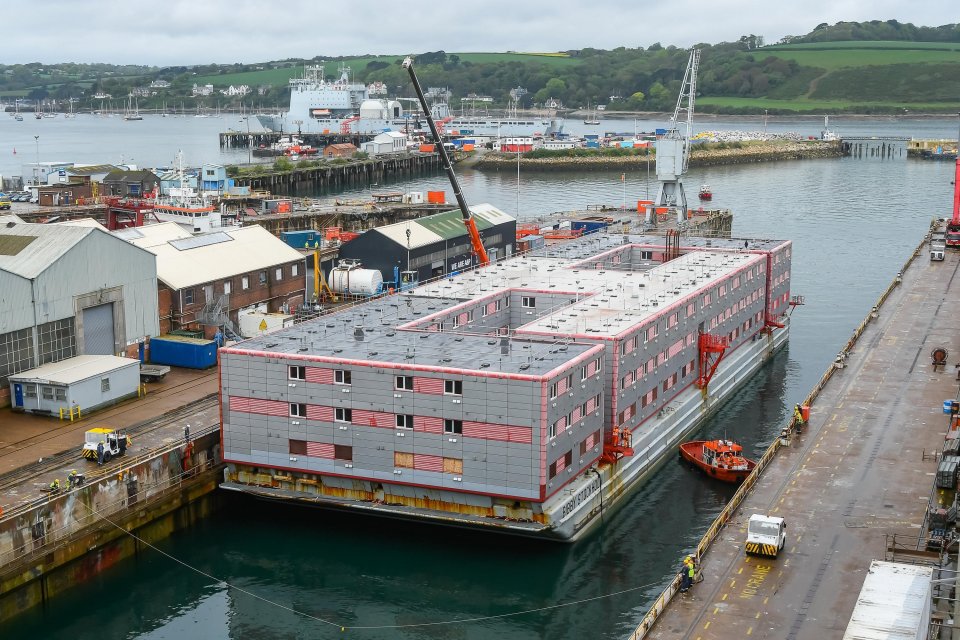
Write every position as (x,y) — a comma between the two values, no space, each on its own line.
(853,222)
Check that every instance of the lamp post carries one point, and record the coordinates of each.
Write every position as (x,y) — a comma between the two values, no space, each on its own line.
(36,173)
(764,122)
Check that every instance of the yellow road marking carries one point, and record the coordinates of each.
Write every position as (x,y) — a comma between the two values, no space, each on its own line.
(706,626)
(765,600)
(716,610)
(749,631)
(740,571)
(724,596)
(732,583)
(757,616)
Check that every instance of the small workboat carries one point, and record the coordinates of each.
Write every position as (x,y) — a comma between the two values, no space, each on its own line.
(705,192)
(720,459)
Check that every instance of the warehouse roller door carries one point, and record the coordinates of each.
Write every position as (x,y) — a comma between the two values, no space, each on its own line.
(98,330)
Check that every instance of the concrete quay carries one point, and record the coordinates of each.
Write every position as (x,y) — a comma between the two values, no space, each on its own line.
(53,542)
(860,471)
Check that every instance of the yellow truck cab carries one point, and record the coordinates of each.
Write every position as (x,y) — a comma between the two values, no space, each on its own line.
(5,202)
(766,535)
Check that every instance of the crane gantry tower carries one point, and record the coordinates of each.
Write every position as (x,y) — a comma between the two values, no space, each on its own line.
(673,148)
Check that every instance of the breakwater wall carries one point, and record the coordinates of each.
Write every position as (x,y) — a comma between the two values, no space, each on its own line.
(335,177)
(66,539)
(766,152)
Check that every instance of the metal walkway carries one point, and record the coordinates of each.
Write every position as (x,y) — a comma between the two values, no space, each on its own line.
(857,474)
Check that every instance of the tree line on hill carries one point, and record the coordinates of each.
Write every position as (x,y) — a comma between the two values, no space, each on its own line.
(632,79)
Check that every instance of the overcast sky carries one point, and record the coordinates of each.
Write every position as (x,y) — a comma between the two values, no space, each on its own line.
(171,32)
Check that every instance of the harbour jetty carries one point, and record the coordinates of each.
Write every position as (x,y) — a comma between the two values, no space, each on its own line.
(866,435)
(331,177)
(714,155)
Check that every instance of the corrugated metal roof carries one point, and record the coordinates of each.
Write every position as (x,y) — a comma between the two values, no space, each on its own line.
(129,176)
(90,169)
(252,248)
(50,241)
(442,226)
(74,369)
(151,235)
(84,222)
(894,603)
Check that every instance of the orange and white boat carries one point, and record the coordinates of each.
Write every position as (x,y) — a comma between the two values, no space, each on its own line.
(720,459)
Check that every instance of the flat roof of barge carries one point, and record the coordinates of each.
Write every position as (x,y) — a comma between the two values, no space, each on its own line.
(332,336)
(598,303)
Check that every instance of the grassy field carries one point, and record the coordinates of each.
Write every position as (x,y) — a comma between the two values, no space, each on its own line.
(866,44)
(837,55)
(279,77)
(818,106)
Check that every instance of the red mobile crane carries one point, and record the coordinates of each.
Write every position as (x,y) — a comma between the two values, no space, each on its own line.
(953,227)
(468,220)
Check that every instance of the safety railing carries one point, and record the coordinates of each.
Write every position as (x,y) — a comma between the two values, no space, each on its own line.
(122,465)
(660,604)
(62,536)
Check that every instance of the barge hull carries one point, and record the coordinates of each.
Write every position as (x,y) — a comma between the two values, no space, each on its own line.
(566,517)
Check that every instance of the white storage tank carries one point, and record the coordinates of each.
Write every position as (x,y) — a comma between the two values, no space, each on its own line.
(356,281)
(374,110)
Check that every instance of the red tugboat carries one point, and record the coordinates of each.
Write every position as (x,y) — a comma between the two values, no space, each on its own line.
(720,459)
(705,192)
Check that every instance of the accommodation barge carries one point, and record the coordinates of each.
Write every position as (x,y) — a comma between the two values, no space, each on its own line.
(527,397)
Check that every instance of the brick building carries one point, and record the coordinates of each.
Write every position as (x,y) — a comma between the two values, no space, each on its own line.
(205,281)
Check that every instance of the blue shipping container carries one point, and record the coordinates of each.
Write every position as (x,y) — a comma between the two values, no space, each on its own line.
(299,239)
(661,132)
(588,226)
(593,144)
(179,351)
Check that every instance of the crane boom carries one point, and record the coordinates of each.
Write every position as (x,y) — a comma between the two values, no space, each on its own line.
(673,148)
(468,220)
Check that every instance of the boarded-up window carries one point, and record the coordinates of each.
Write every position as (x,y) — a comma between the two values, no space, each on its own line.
(452,465)
(342,452)
(298,447)
(403,460)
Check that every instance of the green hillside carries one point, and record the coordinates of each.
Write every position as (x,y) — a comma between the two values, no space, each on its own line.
(868,67)
(279,77)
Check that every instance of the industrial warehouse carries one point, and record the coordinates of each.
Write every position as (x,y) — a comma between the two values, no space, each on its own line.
(68,290)
(486,393)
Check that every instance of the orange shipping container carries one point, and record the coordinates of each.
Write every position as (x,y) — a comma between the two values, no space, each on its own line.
(426,148)
(283,207)
(437,197)
(468,147)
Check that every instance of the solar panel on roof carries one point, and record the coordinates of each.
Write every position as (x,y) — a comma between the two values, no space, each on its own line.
(200,241)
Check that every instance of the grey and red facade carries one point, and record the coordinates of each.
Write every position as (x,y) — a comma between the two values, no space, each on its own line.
(488,398)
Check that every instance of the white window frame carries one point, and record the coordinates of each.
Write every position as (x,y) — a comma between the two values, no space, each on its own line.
(452,385)
(298,410)
(296,372)
(342,377)
(400,383)
(294,270)
(528,302)
(278,274)
(245,283)
(227,286)
(404,421)
(453,426)
(342,414)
